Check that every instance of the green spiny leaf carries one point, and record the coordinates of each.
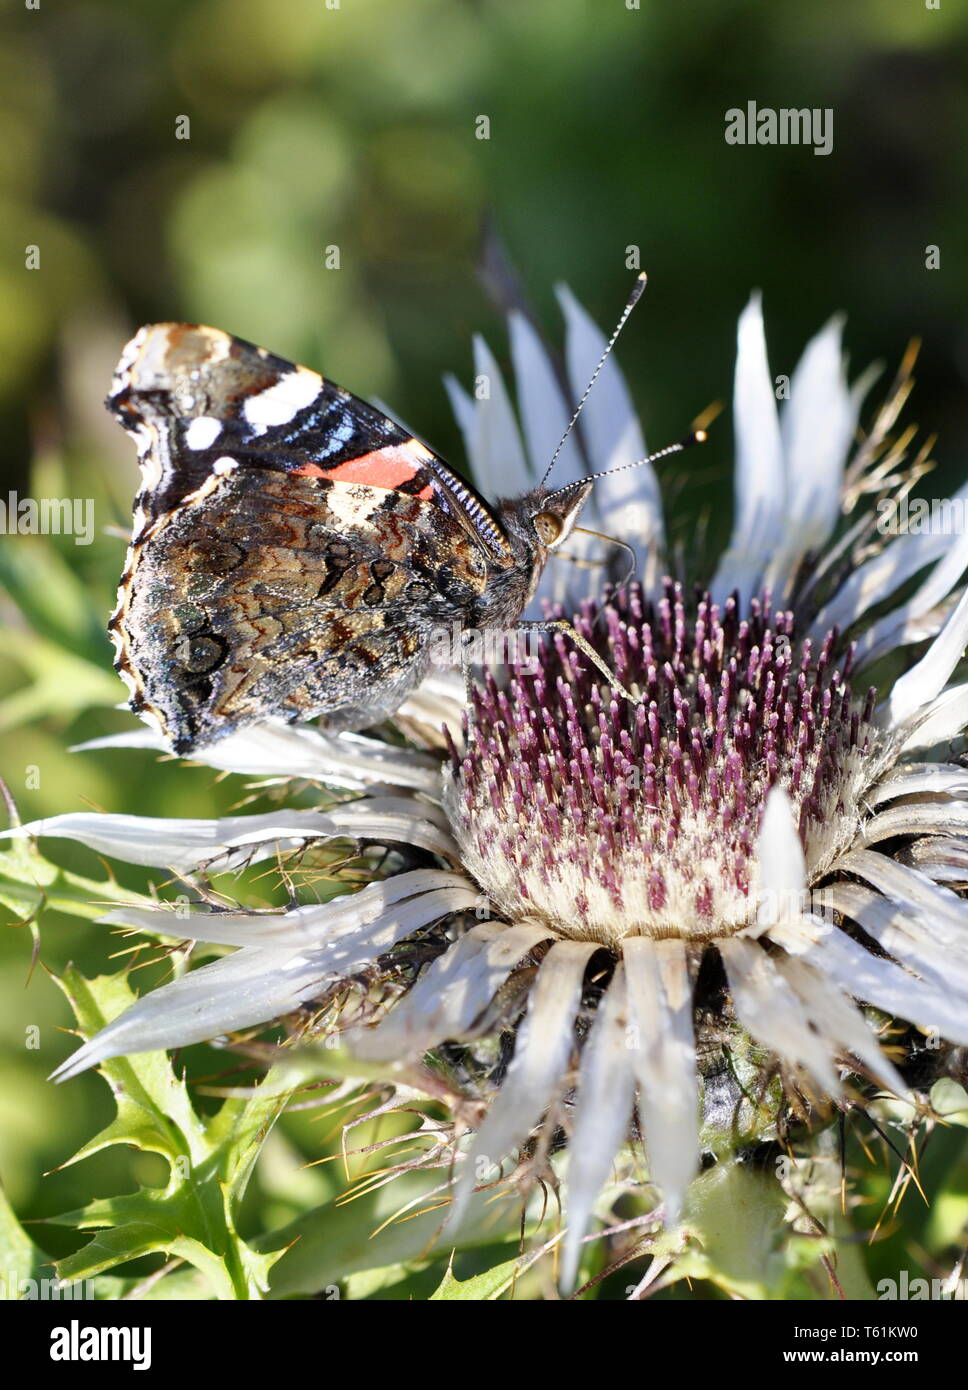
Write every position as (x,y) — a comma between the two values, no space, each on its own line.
(193,1215)
(480,1288)
(154,1109)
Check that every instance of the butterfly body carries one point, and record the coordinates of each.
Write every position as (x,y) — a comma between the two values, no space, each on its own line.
(293,549)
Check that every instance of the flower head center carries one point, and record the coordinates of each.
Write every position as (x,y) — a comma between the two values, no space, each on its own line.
(606,818)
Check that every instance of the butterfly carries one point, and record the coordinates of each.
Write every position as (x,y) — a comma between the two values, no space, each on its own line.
(295,551)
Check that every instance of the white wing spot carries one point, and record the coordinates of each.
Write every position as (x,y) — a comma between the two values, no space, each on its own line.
(202,432)
(279,403)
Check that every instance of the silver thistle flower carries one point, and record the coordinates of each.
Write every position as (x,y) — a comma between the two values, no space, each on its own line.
(761,818)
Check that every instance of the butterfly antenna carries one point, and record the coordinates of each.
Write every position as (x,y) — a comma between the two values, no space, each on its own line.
(630,304)
(694,437)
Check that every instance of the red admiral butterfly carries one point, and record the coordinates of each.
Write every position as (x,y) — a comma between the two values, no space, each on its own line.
(293,549)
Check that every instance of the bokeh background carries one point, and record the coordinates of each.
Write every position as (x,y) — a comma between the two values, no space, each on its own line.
(356,127)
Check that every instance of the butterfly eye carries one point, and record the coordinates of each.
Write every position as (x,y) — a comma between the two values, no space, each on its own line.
(548,527)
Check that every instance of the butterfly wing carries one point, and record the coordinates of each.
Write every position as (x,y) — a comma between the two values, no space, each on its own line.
(293,548)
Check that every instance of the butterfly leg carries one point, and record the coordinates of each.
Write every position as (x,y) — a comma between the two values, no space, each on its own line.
(563,625)
(467,671)
(466,665)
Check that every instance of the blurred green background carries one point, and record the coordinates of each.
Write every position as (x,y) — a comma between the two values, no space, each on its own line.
(355,127)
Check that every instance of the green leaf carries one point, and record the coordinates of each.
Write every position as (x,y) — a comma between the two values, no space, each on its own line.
(739,1239)
(60,684)
(154,1111)
(21,1261)
(390,1225)
(480,1288)
(174,1283)
(54,600)
(193,1216)
(737,1220)
(119,1244)
(31,884)
(950,1100)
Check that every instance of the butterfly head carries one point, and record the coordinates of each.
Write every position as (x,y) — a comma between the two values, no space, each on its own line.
(554,514)
(541,521)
